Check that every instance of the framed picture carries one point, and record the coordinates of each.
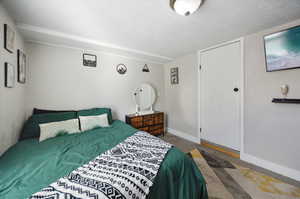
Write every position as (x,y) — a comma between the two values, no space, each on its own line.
(21,67)
(282,49)
(89,60)
(122,69)
(174,75)
(9,75)
(146,69)
(9,38)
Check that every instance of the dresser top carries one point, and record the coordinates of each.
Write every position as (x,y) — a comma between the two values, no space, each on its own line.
(135,115)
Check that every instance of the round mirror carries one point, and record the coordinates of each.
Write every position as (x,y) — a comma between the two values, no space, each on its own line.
(144,97)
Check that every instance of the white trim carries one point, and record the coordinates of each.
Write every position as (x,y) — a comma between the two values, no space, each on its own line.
(242,100)
(184,135)
(291,173)
(56,34)
(199,94)
(94,51)
(221,44)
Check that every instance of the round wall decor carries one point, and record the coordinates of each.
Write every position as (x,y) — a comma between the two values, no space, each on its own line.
(121,68)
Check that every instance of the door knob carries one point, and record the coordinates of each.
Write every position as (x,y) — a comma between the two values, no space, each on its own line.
(235,89)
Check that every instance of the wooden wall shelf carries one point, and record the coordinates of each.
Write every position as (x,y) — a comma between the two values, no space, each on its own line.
(286,101)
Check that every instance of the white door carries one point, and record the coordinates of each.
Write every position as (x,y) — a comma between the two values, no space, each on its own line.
(220,82)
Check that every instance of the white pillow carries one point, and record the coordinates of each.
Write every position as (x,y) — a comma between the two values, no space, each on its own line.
(91,122)
(52,129)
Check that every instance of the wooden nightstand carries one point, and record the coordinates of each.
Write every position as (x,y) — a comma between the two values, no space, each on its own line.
(151,123)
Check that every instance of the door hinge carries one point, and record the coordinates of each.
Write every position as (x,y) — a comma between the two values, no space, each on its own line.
(200,130)
(200,67)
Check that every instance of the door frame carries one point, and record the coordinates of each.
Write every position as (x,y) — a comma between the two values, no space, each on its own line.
(242,86)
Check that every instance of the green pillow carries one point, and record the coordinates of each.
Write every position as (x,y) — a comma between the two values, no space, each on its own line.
(31,128)
(96,111)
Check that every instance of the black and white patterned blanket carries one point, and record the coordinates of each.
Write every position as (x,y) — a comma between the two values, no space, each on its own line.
(127,171)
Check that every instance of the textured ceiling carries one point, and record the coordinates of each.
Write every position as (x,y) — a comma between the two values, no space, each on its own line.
(150,26)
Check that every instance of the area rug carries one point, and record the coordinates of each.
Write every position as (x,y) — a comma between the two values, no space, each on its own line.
(226,180)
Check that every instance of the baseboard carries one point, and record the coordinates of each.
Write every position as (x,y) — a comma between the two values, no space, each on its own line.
(285,171)
(222,149)
(184,135)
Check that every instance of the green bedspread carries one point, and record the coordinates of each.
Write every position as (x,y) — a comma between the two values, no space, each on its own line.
(30,166)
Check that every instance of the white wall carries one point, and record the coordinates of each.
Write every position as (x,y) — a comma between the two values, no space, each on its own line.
(181,99)
(272,131)
(58,80)
(12,112)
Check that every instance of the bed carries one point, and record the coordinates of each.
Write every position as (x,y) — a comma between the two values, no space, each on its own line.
(30,165)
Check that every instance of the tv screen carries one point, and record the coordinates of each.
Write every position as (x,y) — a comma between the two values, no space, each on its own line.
(282,49)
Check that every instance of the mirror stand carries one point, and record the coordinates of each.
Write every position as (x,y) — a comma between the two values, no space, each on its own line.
(137,110)
(144,97)
(143,112)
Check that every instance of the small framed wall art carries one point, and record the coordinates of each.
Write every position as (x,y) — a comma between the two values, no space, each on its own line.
(146,69)
(122,69)
(9,38)
(89,60)
(21,67)
(9,75)
(174,75)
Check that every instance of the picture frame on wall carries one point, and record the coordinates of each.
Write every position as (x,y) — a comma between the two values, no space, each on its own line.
(174,75)
(282,49)
(9,38)
(9,75)
(21,67)
(89,60)
(121,69)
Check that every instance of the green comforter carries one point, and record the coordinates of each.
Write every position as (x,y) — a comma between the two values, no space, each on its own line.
(30,166)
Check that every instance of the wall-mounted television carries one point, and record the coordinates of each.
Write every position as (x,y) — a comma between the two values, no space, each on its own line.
(282,49)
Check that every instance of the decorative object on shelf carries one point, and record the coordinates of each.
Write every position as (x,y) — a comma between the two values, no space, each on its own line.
(21,67)
(122,69)
(144,97)
(89,60)
(9,38)
(9,75)
(284,90)
(282,49)
(185,7)
(146,69)
(174,75)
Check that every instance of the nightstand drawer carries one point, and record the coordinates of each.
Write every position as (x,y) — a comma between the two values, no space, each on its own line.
(148,120)
(156,130)
(159,118)
(136,122)
(152,123)
(153,128)
(144,129)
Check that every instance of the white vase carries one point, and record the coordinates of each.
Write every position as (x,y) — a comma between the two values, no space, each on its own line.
(284,90)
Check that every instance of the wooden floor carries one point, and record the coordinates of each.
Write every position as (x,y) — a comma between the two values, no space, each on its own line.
(227,151)
(186,146)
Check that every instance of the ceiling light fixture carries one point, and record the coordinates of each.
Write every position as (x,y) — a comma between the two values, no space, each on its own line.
(185,7)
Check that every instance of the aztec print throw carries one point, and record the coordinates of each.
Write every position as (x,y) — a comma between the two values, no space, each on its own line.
(126,171)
